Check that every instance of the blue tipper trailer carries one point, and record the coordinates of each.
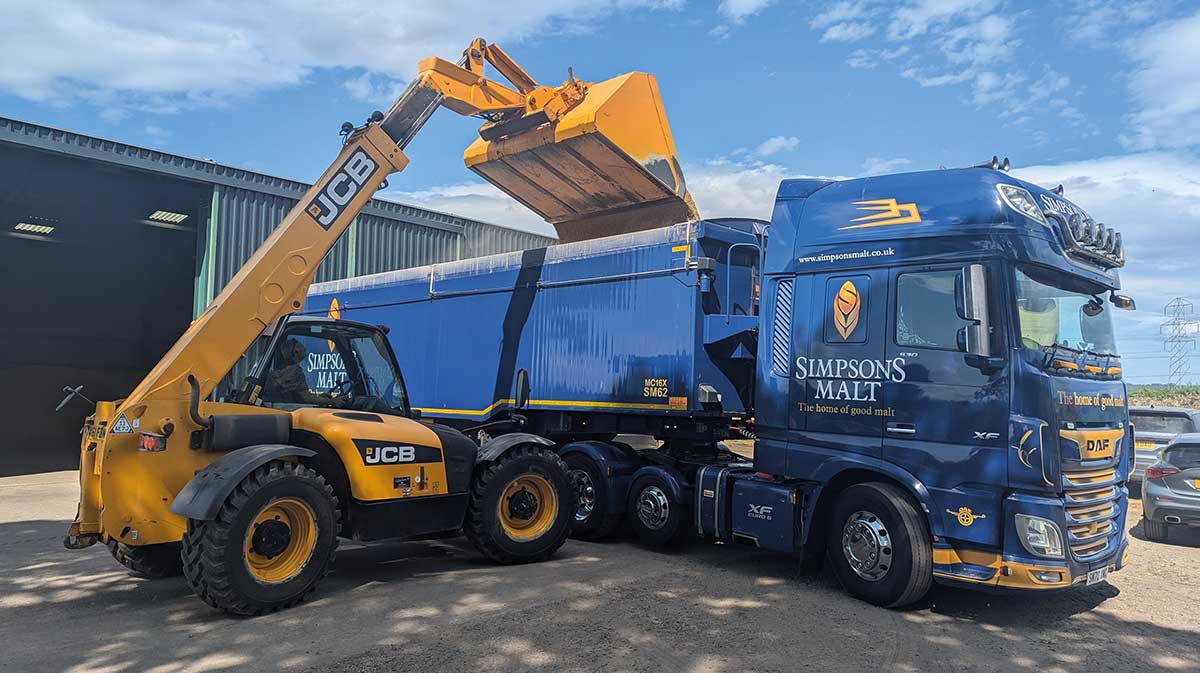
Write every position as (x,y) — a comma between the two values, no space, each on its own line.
(925,363)
(626,334)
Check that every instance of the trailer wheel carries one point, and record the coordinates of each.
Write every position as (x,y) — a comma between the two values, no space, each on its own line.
(269,545)
(522,506)
(653,516)
(594,518)
(1156,531)
(153,561)
(879,544)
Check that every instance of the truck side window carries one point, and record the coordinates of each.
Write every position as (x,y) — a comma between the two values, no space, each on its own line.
(925,313)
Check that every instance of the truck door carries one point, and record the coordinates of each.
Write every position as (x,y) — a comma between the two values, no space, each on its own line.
(948,420)
(838,369)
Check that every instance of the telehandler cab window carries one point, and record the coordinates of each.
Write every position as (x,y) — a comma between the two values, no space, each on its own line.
(331,366)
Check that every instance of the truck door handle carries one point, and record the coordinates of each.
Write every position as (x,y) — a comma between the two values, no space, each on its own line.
(902,428)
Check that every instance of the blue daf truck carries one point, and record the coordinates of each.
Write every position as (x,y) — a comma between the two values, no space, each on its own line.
(925,363)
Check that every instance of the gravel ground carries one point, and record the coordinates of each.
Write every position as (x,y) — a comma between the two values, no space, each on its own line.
(596,607)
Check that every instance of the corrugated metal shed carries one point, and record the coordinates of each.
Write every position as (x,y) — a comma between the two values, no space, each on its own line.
(246,205)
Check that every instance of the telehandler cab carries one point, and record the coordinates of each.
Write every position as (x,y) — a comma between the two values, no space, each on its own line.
(245,485)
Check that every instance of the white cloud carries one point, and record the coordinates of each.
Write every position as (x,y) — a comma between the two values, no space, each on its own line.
(879,165)
(1094,22)
(1166,86)
(378,89)
(847,32)
(739,10)
(160,56)
(839,12)
(777,144)
(861,59)
(923,16)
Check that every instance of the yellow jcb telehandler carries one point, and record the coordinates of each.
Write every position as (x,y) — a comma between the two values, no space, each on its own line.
(246,491)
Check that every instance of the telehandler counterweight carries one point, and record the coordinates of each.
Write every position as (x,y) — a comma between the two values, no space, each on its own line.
(245,485)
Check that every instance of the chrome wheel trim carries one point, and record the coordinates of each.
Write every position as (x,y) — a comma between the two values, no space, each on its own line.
(585,492)
(867,546)
(654,508)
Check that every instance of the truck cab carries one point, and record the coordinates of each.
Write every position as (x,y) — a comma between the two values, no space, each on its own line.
(949,333)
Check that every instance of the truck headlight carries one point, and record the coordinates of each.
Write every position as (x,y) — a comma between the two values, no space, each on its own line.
(1021,201)
(1039,536)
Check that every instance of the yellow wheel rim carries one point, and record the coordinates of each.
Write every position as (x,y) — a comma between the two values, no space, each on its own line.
(528,507)
(280,540)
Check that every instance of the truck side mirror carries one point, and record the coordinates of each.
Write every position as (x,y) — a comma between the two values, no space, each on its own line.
(522,388)
(971,302)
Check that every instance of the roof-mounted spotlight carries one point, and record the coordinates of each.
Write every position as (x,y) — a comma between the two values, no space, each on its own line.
(1058,190)
(1004,165)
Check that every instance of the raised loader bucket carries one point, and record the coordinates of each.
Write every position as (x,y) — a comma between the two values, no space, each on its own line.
(607,166)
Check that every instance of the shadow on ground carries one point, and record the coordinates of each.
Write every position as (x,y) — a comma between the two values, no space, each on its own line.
(608,606)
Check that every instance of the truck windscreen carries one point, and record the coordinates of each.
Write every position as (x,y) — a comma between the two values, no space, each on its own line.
(1050,314)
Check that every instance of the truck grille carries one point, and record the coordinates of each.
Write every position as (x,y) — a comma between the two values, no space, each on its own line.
(1091,496)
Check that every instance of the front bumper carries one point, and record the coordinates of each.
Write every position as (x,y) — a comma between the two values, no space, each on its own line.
(1013,567)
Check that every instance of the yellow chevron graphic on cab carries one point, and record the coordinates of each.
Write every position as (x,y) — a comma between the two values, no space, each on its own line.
(884,212)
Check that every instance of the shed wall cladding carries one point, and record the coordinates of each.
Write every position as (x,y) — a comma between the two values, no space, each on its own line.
(244,219)
(486,239)
(387,245)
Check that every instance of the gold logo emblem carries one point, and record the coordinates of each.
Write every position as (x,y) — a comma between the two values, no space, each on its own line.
(845,309)
(335,313)
(965,516)
(885,212)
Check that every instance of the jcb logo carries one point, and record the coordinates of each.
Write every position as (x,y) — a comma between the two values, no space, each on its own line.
(389,455)
(341,188)
(1098,445)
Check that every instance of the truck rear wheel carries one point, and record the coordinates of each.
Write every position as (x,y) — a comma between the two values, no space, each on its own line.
(594,518)
(269,545)
(879,545)
(522,506)
(153,561)
(653,515)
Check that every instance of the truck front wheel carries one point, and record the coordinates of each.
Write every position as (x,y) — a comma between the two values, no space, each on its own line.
(879,545)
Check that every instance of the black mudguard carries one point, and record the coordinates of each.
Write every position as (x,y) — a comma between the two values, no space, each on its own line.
(496,446)
(203,496)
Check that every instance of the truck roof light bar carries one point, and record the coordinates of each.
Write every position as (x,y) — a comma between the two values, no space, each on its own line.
(1088,238)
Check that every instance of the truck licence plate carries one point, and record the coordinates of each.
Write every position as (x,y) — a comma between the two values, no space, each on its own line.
(1097,576)
(1143,444)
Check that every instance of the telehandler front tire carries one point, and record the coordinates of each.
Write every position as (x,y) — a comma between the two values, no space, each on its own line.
(269,545)
(153,561)
(522,506)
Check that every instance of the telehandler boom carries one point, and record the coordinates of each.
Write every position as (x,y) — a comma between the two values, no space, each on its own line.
(246,491)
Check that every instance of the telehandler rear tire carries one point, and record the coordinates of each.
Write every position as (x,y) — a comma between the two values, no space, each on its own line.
(269,545)
(522,506)
(152,561)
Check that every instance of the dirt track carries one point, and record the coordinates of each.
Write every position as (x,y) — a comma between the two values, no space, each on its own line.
(612,606)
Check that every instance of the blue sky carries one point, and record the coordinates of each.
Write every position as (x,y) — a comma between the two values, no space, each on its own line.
(1101,96)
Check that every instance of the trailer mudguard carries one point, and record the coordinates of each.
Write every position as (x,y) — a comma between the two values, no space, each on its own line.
(614,463)
(496,446)
(203,496)
(681,490)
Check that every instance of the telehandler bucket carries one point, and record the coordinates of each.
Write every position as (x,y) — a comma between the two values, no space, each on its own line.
(607,166)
